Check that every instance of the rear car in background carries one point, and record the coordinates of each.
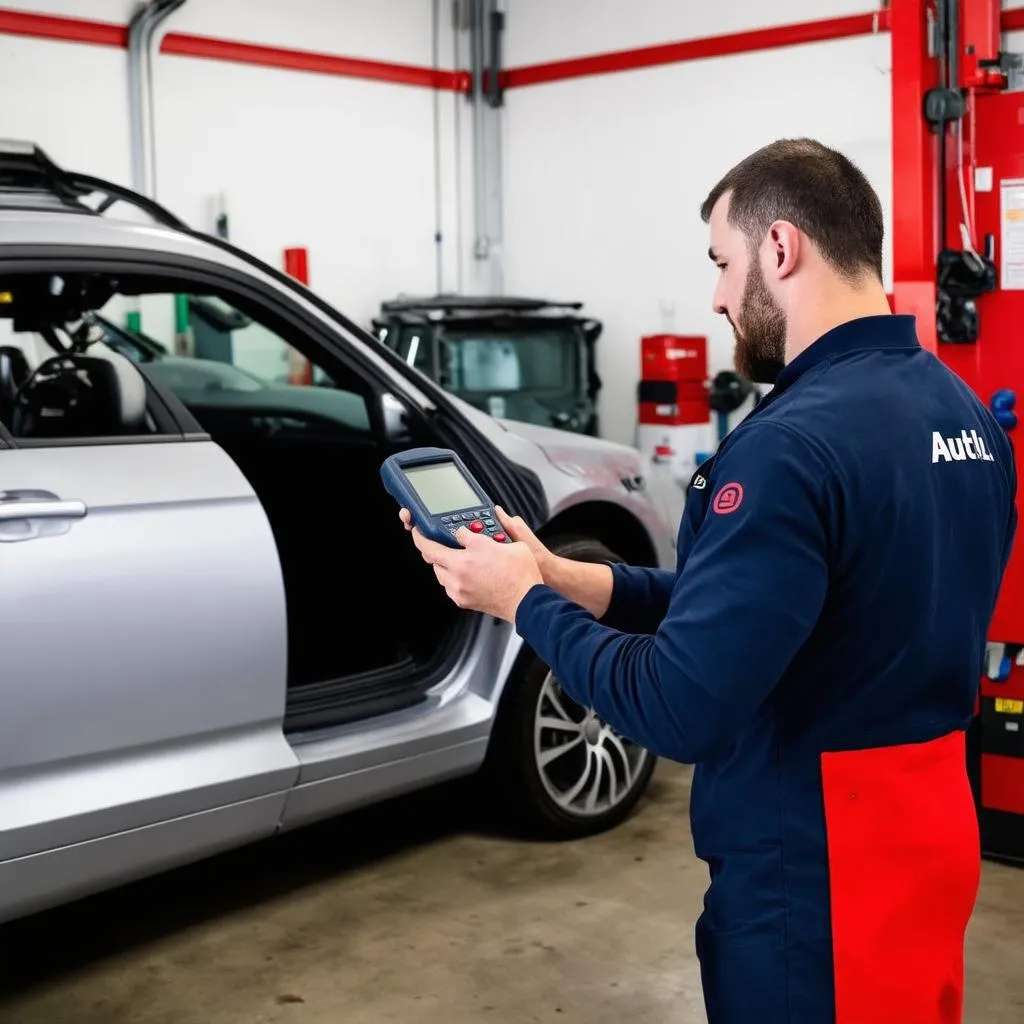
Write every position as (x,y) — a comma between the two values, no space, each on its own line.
(214,626)
(529,360)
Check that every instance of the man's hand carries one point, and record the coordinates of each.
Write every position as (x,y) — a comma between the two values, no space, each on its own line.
(515,527)
(483,575)
(588,584)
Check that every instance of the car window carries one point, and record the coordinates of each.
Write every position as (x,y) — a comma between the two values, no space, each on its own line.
(488,360)
(77,350)
(541,360)
(59,382)
(226,363)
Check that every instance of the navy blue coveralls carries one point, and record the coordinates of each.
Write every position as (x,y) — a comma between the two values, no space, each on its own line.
(817,655)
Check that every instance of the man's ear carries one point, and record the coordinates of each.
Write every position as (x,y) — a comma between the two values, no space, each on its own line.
(784,248)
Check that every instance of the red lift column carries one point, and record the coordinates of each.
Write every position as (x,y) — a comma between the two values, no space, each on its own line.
(994,368)
(914,229)
(989,198)
(674,425)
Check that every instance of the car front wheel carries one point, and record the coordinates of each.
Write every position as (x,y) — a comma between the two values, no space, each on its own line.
(563,771)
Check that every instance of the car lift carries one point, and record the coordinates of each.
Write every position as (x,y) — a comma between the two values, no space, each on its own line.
(958,266)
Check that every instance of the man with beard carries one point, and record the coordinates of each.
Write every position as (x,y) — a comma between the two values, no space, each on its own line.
(816,653)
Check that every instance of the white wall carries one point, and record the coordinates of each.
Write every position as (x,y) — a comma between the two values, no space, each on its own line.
(70,98)
(340,165)
(605,175)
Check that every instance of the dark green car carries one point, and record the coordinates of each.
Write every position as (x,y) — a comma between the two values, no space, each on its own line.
(520,359)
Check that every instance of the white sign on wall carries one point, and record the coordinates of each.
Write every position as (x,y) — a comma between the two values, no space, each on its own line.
(1011,216)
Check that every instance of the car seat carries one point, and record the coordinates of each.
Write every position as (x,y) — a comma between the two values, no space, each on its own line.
(77,395)
(14,371)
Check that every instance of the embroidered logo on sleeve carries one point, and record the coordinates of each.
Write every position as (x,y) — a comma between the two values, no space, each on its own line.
(728,499)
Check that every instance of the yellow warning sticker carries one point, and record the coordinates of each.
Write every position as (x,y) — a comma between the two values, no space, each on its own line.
(1005,706)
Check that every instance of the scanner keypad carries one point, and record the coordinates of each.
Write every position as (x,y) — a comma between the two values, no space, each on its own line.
(480,520)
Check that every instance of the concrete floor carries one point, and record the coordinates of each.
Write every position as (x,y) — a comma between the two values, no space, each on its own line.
(417,912)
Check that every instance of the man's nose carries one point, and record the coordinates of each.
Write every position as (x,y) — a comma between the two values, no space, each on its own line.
(718,300)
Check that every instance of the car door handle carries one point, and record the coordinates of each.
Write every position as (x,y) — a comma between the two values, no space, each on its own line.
(11,511)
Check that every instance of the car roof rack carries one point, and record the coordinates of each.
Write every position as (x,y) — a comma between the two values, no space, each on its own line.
(472,304)
(26,168)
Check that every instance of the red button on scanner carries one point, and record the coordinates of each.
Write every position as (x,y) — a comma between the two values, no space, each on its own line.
(476,526)
(500,537)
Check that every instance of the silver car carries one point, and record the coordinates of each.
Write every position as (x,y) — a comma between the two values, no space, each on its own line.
(214,627)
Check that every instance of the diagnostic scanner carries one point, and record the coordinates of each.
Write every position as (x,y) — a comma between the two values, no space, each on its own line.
(440,494)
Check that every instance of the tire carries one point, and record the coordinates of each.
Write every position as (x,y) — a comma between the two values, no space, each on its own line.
(537,795)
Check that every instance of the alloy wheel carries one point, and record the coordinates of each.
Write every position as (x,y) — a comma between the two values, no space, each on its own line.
(584,765)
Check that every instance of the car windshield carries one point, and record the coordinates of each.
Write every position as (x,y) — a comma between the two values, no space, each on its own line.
(133,345)
(473,360)
(203,374)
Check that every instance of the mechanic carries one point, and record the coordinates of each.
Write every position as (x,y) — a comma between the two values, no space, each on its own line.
(817,652)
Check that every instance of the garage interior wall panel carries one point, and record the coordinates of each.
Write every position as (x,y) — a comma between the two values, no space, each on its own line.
(69,97)
(343,166)
(606,174)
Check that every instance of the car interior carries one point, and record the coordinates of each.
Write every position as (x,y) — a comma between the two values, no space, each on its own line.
(312,453)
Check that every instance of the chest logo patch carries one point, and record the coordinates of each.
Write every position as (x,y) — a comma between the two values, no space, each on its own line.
(728,499)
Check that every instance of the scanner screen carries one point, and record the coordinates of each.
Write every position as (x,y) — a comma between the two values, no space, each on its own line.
(442,488)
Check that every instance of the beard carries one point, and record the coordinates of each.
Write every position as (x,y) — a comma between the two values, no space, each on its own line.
(760,332)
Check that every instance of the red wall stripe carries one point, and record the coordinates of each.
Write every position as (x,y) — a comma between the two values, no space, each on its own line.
(699,49)
(208,48)
(72,30)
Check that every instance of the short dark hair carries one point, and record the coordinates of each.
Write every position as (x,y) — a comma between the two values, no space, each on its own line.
(817,189)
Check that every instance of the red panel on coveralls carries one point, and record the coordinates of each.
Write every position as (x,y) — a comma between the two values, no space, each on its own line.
(904,865)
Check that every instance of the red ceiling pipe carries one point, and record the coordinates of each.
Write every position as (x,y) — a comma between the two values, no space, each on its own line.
(43,26)
(721,46)
(72,30)
(209,48)
(100,33)
(700,49)
(1013,21)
